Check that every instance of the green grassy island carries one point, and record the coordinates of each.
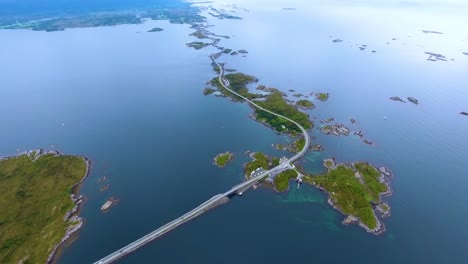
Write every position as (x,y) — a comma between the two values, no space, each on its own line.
(223,159)
(281,180)
(294,147)
(197,45)
(260,160)
(276,103)
(322,96)
(305,104)
(237,82)
(208,91)
(355,190)
(35,204)
(299,144)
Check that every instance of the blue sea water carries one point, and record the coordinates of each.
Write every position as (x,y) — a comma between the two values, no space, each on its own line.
(132,102)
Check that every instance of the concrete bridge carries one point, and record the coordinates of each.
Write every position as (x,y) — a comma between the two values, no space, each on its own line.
(217,199)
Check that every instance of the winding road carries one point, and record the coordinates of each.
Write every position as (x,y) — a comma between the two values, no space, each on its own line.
(304,132)
(217,199)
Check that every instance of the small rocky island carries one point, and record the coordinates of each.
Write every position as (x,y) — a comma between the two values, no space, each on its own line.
(156,29)
(413,100)
(356,190)
(295,147)
(111,202)
(322,96)
(398,99)
(223,159)
(197,44)
(336,129)
(305,104)
(39,204)
(432,32)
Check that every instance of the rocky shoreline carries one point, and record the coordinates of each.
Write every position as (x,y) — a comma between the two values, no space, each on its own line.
(380,210)
(215,159)
(71,216)
(336,129)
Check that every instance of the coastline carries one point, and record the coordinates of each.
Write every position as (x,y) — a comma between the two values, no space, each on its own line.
(76,222)
(72,215)
(215,159)
(378,212)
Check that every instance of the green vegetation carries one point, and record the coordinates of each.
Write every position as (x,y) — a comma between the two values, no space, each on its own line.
(322,96)
(197,45)
(276,103)
(351,194)
(305,104)
(273,102)
(216,69)
(222,159)
(239,80)
(384,207)
(238,83)
(199,34)
(84,21)
(279,146)
(227,51)
(34,198)
(44,21)
(282,180)
(371,179)
(156,29)
(260,161)
(208,91)
(299,144)
(275,161)
(328,163)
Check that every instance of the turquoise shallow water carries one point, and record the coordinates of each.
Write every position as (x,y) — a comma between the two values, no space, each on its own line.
(132,102)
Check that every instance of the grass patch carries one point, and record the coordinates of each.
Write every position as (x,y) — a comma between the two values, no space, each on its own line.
(282,180)
(222,159)
(197,45)
(299,144)
(322,96)
(349,194)
(328,163)
(34,197)
(208,91)
(305,104)
(260,161)
(276,103)
(238,83)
